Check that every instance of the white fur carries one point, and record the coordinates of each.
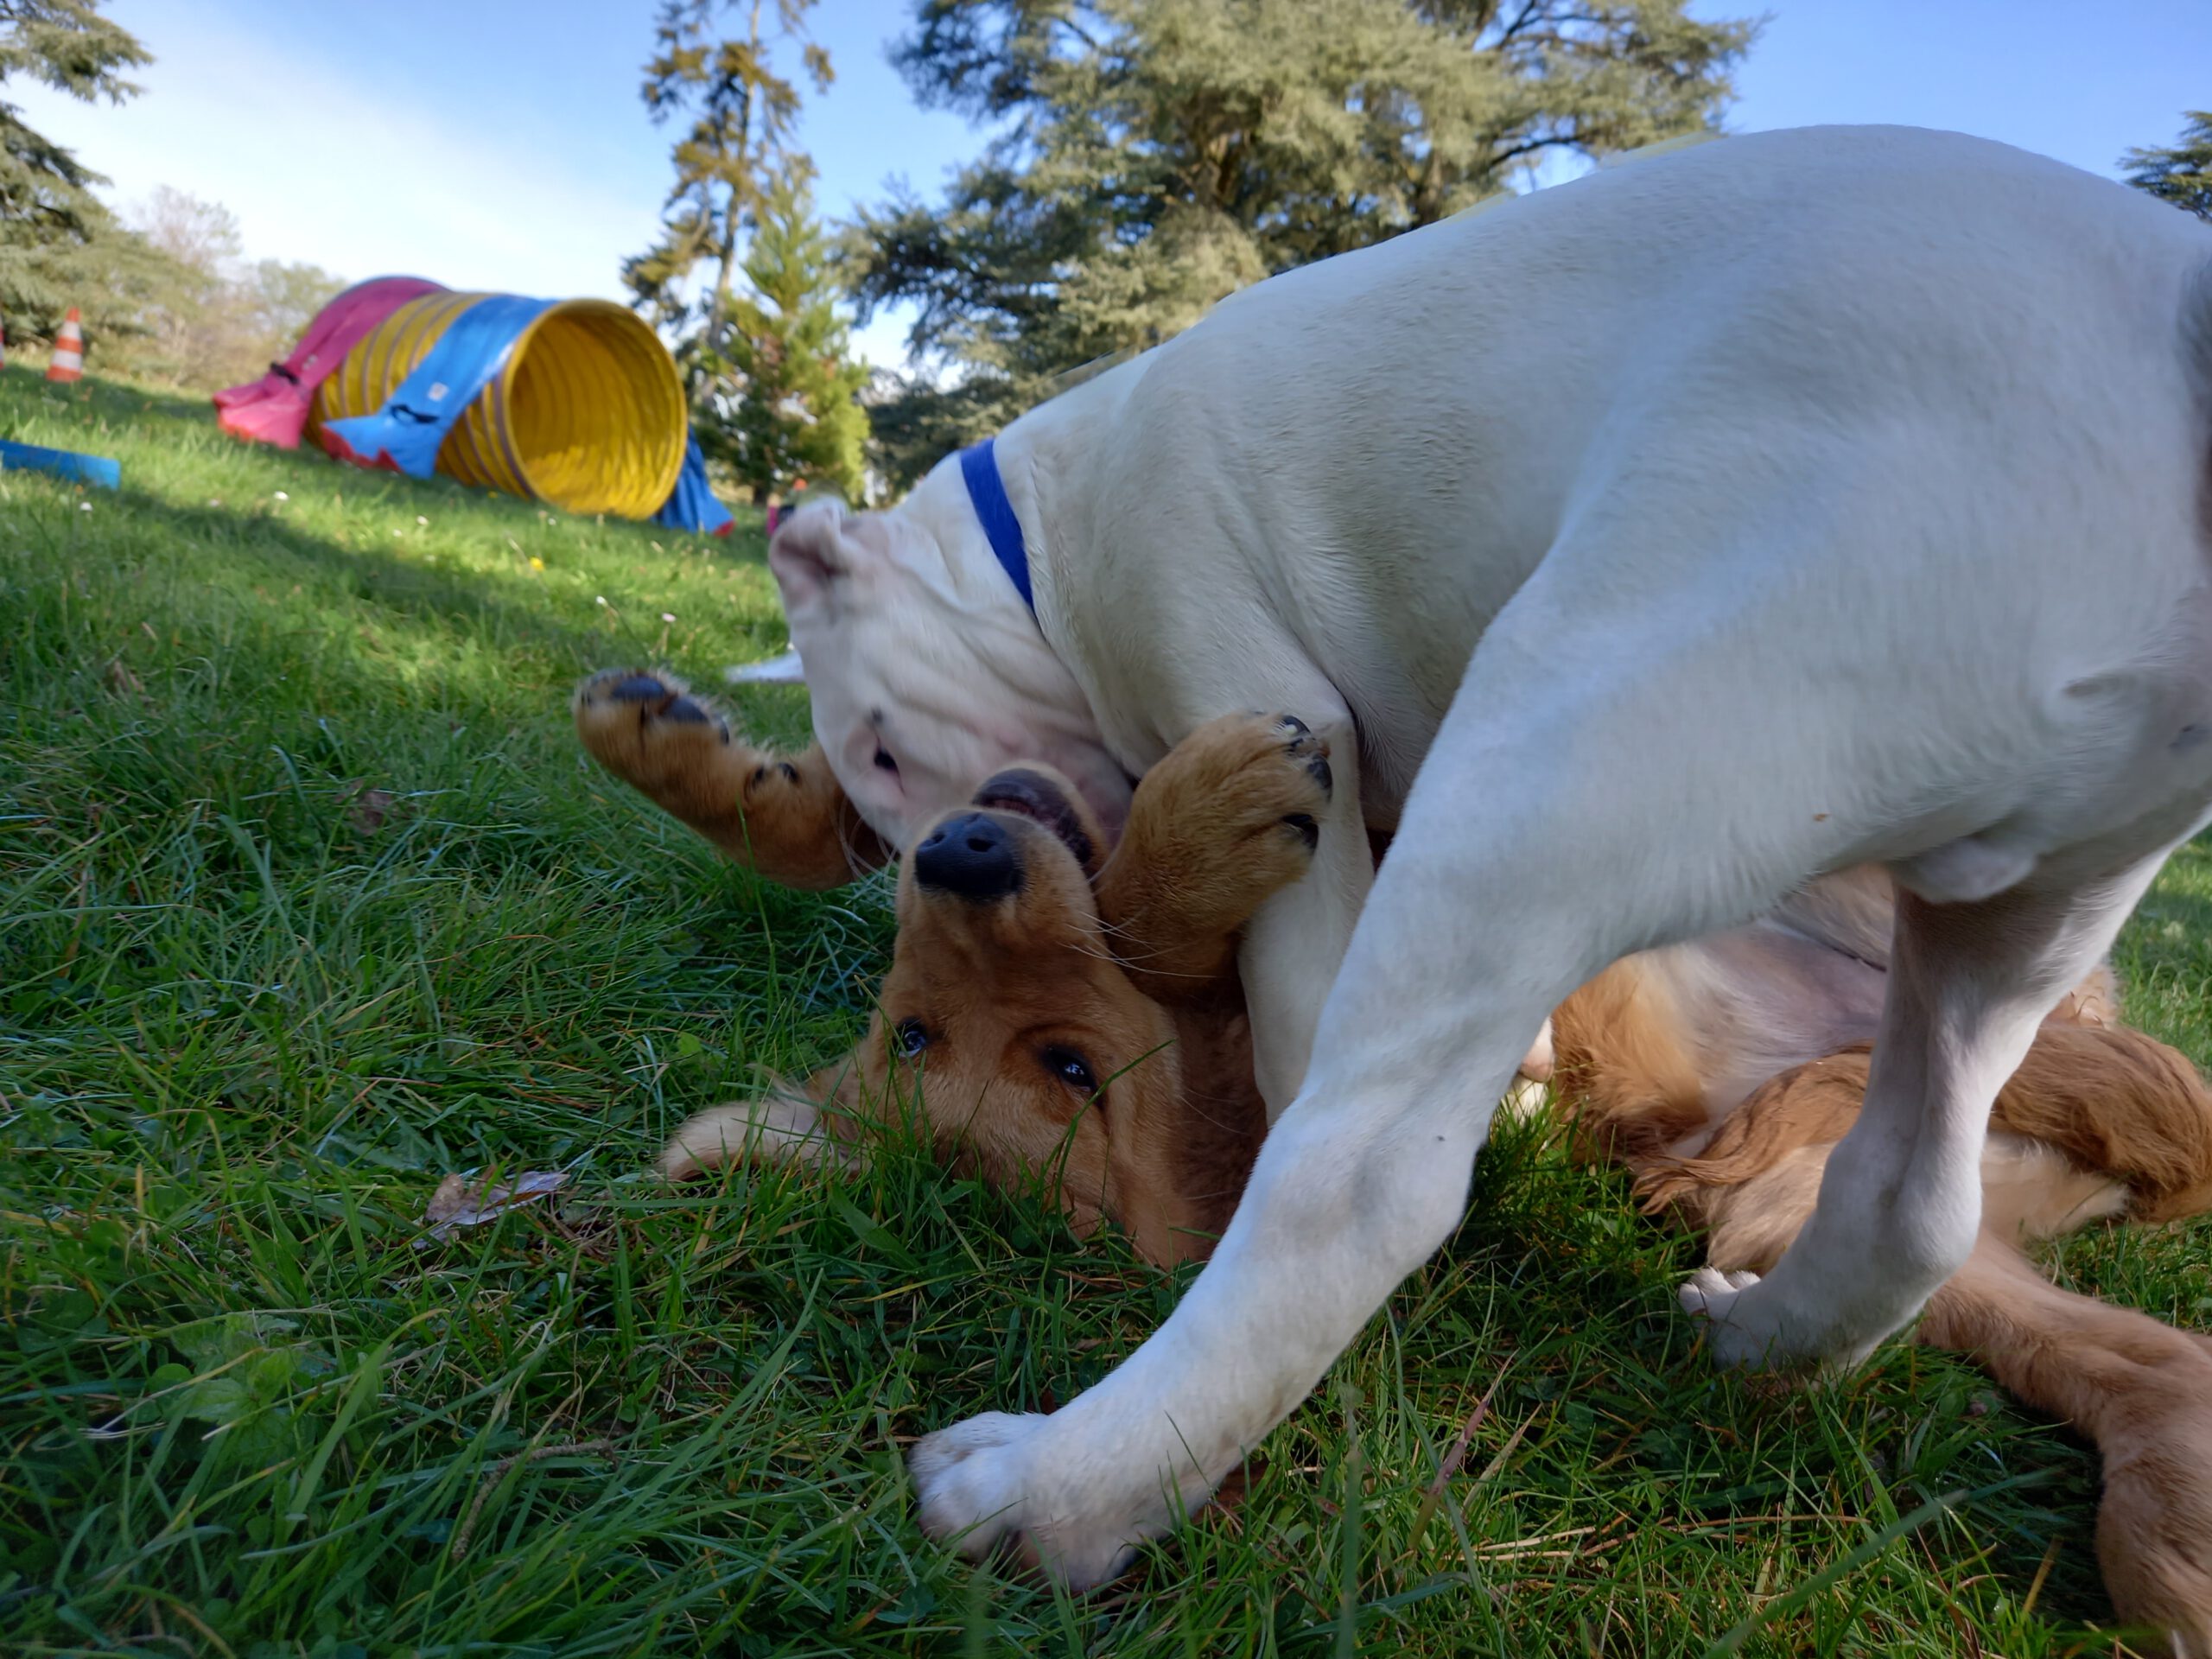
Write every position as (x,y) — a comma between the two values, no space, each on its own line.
(1751,511)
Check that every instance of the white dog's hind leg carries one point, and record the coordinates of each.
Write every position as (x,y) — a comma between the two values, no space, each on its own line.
(1901,1199)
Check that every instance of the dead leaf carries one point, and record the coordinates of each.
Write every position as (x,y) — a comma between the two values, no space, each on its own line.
(461,1202)
(121,679)
(369,808)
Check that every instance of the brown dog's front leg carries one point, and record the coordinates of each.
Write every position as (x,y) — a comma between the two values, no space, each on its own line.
(784,816)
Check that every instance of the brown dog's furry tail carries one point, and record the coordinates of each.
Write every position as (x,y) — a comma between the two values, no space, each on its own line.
(1809,1105)
(2116,1101)
(2142,1390)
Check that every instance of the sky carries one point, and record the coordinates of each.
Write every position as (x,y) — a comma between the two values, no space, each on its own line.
(500,145)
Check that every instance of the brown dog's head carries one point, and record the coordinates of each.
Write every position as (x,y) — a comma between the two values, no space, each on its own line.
(1028,1047)
(1008,1026)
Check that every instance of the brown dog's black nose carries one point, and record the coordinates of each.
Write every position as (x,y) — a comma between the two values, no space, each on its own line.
(970,855)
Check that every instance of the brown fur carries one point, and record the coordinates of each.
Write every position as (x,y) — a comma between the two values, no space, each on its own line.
(1720,1074)
(2140,1390)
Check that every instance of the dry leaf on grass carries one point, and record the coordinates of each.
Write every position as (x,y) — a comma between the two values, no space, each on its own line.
(369,808)
(122,681)
(461,1202)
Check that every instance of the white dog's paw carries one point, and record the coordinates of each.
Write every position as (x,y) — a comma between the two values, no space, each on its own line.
(986,1483)
(1736,1333)
(968,1480)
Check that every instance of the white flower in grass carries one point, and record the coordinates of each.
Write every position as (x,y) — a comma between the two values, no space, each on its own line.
(668,616)
(280,496)
(84,506)
(600,598)
(420,520)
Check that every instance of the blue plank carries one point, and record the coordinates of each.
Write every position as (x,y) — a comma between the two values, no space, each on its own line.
(63,463)
(404,434)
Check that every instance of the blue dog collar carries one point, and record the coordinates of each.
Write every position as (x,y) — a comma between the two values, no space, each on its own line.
(979,466)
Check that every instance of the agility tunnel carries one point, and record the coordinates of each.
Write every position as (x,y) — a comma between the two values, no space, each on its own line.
(573,402)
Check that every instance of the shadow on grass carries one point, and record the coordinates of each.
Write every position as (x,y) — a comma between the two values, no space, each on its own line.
(469,607)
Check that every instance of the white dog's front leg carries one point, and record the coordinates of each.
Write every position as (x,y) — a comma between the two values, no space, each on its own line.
(1356,1185)
(1296,941)
(1348,1197)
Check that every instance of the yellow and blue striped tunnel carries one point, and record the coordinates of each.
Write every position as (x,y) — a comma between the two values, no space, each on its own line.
(583,409)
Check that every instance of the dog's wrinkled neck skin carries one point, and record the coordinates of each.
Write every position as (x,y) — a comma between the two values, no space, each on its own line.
(927,671)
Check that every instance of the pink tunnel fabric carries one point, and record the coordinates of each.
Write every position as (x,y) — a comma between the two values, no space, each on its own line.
(274,409)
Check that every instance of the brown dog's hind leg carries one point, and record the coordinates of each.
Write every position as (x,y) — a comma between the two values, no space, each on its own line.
(1228,819)
(2124,1109)
(785,816)
(2141,1389)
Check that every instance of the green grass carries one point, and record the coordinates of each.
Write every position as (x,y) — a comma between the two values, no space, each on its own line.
(243,1031)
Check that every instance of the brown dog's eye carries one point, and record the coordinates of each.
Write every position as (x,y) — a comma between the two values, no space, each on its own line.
(885,762)
(1070,1068)
(911,1037)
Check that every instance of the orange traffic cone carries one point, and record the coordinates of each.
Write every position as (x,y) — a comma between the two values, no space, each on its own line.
(67,362)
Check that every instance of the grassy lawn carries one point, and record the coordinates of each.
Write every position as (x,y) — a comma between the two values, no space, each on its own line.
(307,899)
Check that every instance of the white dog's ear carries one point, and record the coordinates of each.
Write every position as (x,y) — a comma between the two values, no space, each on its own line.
(812,551)
(785,669)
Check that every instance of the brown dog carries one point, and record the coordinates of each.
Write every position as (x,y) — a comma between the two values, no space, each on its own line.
(1053,1010)
(1066,1014)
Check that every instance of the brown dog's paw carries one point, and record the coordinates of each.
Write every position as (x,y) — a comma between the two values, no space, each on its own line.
(1245,793)
(646,727)
(1230,817)
(785,816)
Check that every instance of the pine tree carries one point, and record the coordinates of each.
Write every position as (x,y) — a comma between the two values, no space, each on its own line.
(1153,156)
(2182,173)
(59,245)
(770,388)
(736,146)
(782,392)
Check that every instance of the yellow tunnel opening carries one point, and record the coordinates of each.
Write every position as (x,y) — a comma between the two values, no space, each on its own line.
(587,412)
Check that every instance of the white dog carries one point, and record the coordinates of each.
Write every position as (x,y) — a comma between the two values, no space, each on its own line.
(1643,547)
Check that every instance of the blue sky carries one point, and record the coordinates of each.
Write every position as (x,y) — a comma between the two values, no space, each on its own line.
(501,143)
